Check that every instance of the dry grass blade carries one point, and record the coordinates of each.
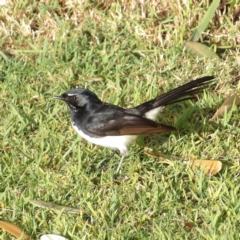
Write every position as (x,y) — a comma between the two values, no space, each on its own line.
(14,230)
(227,105)
(167,158)
(52,206)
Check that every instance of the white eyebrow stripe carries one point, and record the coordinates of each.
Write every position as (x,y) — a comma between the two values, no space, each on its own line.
(71,94)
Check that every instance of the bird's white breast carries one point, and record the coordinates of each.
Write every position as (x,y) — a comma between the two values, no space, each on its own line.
(117,142)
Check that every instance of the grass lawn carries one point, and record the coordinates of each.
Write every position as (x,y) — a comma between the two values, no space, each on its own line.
(126,52)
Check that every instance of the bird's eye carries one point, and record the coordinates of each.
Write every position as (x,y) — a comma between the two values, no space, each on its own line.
(74,98)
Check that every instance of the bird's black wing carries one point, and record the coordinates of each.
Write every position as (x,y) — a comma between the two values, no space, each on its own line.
(121,123)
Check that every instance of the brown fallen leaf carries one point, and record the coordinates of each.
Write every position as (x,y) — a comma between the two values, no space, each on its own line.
(14,230)
(227,105)
(211,167)
(53,206)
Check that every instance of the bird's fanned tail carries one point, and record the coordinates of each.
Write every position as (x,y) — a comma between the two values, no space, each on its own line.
(184,92)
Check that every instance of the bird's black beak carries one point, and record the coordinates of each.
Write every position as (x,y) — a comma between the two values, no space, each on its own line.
(59,97)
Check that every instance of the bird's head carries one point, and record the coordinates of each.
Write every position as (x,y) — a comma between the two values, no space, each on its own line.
(78,98)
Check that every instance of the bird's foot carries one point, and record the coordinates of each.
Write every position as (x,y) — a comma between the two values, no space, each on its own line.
(117,177)
(103,166)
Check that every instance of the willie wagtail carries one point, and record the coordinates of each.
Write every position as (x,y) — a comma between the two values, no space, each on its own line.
(111,126)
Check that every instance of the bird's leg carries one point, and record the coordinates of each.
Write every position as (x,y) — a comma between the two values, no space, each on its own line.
(119,166)
(105,162)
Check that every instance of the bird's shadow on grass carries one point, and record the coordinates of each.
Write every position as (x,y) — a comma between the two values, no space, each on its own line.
(194,119)
(191,120)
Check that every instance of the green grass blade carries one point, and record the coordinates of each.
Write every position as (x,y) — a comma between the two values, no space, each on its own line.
(204,23)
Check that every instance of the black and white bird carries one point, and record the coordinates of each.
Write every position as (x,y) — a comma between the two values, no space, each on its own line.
(114,127)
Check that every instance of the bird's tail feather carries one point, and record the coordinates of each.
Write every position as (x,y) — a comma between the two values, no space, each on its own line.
(184,92)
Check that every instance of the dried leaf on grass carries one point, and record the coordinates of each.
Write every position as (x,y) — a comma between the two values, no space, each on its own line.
(52,206)
(211,167)
(14,230)
(200,50)
(227,105)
